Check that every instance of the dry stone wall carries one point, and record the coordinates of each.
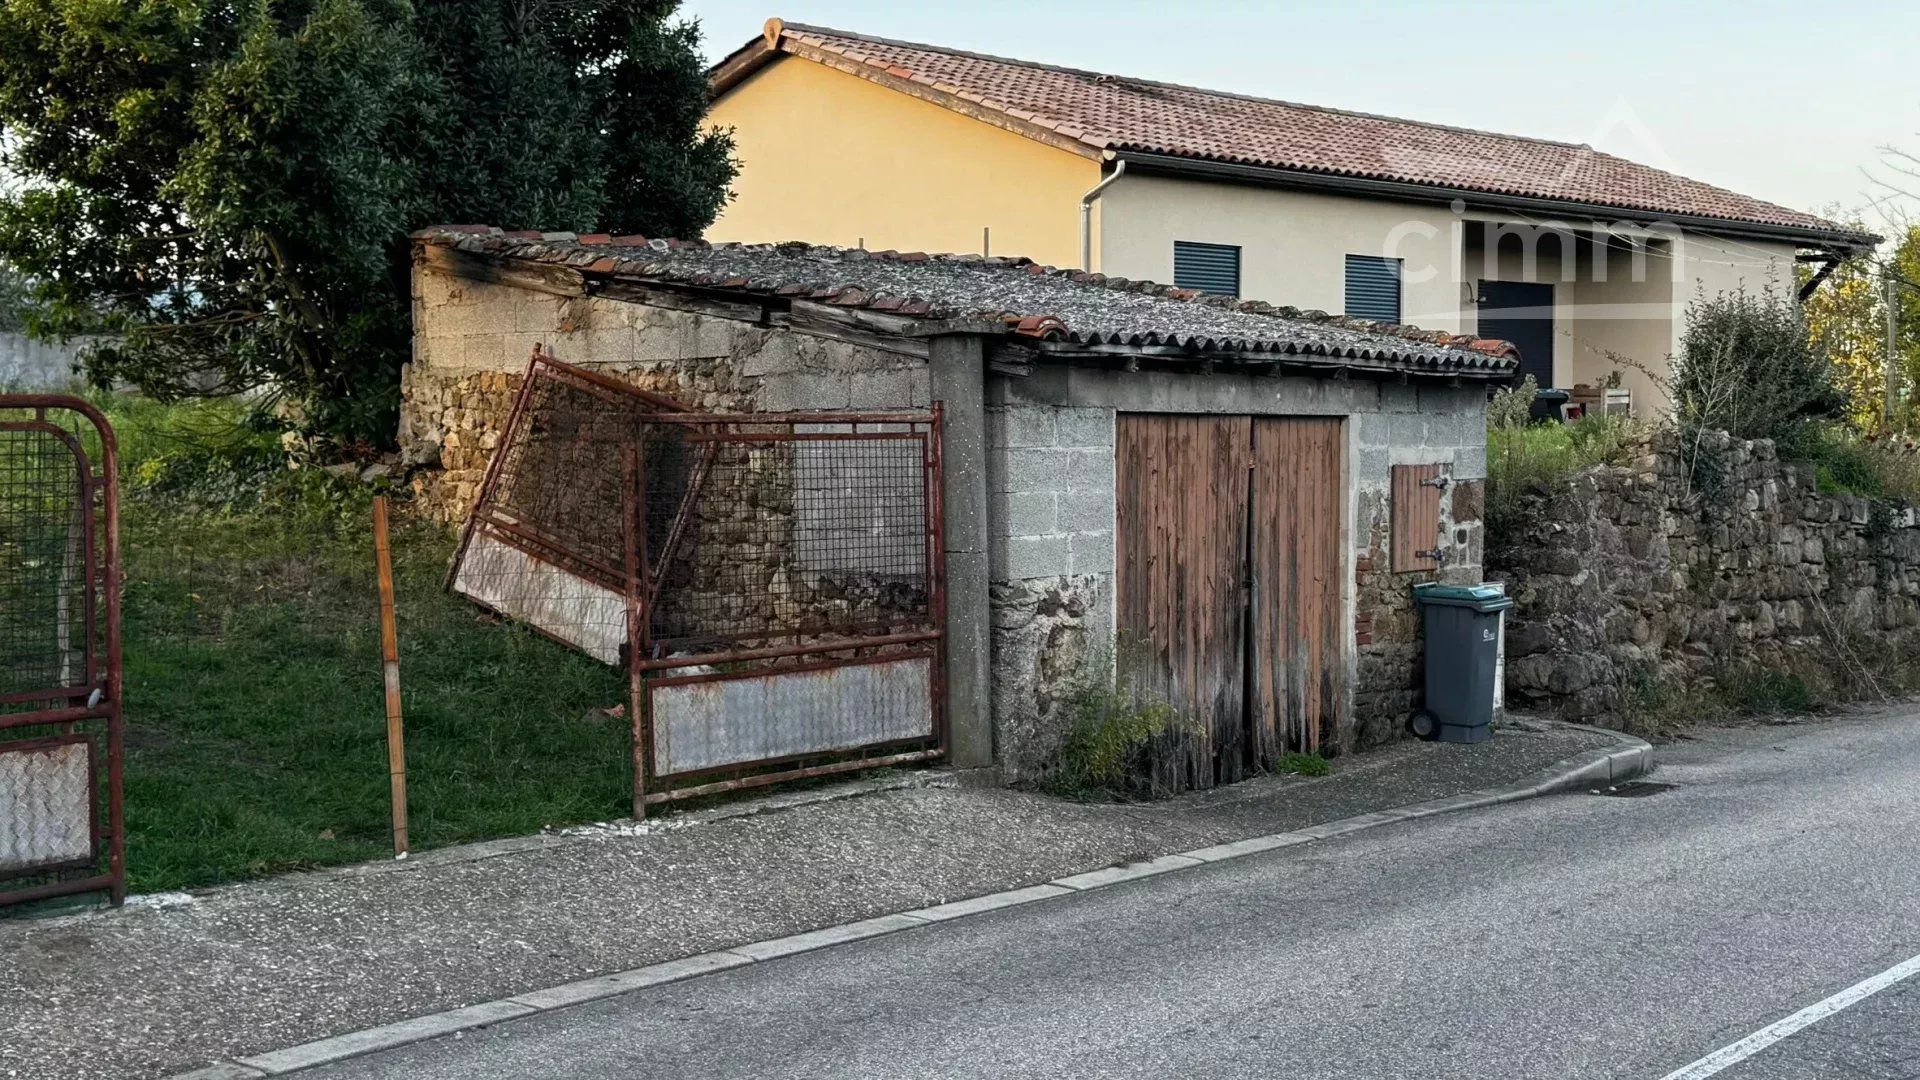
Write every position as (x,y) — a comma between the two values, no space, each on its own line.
(1635,574)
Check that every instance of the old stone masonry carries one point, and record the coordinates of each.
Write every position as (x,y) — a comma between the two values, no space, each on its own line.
(1658,572)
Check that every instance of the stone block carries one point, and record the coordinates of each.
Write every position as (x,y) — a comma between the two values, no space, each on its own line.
(798,392)
(1020,557)
(1038,469)
(1399,397)
(1086,511)
(1023,513)
(1470,462)
(1089,470)
(883,390)
(777,356)
(1091,553)
(1024,426)
(1084,427)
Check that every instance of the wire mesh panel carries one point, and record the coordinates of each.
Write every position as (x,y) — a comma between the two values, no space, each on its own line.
(771,581)
(60,828)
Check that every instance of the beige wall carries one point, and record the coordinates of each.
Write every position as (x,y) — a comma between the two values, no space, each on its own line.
(1293,244)
(830,158)
(1711,265)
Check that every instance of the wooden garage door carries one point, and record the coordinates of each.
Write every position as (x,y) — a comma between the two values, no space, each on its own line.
(1181,572)
(1229,577)
(1299,680)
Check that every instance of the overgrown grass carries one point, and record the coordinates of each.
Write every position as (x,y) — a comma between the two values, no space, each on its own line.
(1861,669)
(1529,459)
(255,722)
(1114,729)
(1883,467)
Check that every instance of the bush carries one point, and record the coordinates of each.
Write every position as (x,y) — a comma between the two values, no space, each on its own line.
(1747,367)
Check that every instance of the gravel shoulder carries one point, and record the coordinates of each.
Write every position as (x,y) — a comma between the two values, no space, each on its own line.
(162,987)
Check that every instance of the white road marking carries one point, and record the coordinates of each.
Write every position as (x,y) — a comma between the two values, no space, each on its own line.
(1729,1056)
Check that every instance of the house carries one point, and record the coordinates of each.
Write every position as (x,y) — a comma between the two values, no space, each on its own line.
(1585,261)
(1249,490)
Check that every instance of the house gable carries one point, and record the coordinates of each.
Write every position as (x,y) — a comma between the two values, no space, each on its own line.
(832,158)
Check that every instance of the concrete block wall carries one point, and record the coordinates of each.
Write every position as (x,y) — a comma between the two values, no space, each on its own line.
(1050,512)
(1052,506)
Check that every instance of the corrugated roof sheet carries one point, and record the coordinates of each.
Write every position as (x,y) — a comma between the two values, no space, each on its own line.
(1014,296)
(1114,113)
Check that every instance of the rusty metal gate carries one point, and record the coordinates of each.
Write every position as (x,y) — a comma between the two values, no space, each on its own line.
(61,822)
(771,582)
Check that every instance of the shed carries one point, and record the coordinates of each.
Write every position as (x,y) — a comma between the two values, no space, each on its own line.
(1247,491)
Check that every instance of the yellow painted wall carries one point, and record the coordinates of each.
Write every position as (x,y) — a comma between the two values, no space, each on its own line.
(833,159)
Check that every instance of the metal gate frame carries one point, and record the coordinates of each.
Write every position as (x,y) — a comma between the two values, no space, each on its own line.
(87,712)
(652,665)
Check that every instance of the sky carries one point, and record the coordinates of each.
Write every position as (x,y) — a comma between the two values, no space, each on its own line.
(1789,102)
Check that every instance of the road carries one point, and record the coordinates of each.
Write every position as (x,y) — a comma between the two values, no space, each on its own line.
(1573,936)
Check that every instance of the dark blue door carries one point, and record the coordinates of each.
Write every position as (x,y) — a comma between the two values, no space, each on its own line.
(1522,313)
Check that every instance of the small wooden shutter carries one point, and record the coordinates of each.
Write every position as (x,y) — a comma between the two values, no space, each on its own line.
(1211,268)
(1416,517)
(1373,288)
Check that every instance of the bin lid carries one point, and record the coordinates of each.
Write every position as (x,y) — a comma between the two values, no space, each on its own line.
(1482,597)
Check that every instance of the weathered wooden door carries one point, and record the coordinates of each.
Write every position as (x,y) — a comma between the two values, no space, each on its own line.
(1298,677)
(1229,581)
(1182,572)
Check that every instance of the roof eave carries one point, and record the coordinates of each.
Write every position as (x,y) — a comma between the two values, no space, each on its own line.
(1843,241)
(735,68)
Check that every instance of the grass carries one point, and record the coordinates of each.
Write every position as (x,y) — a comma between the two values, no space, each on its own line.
(1527,459)
(1303,764)
(254,709)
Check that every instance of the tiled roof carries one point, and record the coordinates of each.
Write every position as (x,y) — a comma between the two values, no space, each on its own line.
(1007,295)
(1112,113)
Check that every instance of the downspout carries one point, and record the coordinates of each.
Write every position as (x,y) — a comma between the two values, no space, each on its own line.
(1086,214)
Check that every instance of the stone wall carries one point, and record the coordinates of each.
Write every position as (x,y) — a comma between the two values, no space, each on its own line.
(1635,574)
(27,364)
(472,341)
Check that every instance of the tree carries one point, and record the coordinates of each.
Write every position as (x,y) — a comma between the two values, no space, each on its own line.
(228,188)
(1846,317)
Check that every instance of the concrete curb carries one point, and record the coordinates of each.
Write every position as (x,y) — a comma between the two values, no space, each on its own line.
(1595,768)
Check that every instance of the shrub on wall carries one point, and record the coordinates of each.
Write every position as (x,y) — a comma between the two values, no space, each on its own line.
(1746,366)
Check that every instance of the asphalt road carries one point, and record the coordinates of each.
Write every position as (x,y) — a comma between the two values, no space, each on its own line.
(1573,936)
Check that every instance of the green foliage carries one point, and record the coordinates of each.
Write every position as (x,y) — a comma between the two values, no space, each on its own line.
(256,732)
(1846,318)
(1747,367)
(1511,408)
(228,189)
(1885,468)
(1525,460)
(1303,764)
(1113,726)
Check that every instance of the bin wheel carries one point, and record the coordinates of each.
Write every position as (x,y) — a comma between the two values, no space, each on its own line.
(1423,723)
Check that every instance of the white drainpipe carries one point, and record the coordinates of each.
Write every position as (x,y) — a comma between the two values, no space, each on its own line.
(1086,214)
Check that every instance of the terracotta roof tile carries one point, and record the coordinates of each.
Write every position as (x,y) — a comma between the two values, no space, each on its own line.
(1008,295)
(1112,113)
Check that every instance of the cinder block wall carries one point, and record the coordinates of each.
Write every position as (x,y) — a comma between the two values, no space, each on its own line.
(1050,454)
(472,341)
(1050,509)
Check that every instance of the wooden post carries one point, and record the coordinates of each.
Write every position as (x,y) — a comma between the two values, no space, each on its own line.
(390,655)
